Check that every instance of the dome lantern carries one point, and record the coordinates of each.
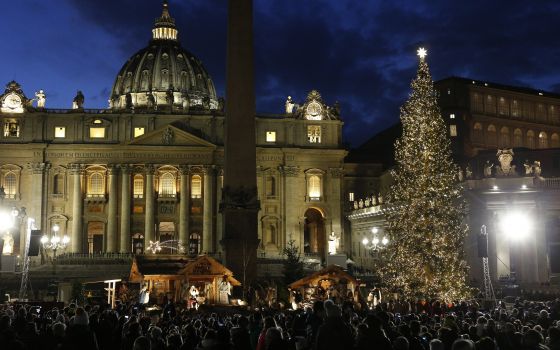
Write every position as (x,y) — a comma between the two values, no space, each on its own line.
(164,28)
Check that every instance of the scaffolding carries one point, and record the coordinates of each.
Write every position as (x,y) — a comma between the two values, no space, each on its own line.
(488,292)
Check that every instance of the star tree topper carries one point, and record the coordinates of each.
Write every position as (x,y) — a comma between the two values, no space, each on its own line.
(422,53)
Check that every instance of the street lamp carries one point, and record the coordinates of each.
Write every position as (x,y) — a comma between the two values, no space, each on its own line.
(55,242)
(375,244)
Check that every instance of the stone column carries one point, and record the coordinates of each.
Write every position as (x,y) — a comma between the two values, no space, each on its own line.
(36,207)
(292,224)
(149,221)
(184,207)
(112,212)
(335,195)
(207,219)
(219,228)
(77,209)
(125,245)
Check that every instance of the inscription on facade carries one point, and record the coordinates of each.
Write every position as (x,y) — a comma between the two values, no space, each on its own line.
(126,155)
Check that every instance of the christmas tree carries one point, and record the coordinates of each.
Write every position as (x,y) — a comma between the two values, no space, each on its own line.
(426,225)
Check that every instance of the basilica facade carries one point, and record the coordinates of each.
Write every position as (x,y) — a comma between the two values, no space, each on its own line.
(148,170)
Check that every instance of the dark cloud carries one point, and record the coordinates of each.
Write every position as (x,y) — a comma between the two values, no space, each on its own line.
(360,53)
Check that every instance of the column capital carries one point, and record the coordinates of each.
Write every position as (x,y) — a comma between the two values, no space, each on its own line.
(184,169)
(125,168)
(289,170)
(149,169)
(336,172)
(76,168)
(208,169)
(38,167)
(112,169)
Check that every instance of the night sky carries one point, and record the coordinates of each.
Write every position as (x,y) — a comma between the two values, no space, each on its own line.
(358,52)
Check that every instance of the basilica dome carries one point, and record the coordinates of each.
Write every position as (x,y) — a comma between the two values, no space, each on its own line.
(163,76)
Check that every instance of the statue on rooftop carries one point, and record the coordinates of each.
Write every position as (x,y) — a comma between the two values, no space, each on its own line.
(41,98)
(290,105)
(78,101)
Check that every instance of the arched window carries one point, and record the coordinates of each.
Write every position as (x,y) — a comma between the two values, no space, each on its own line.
(543,140)
(504,137)
(314,187)
(10,185)
(491,135)
(58,184)
(517,138)
(167,185)
(184,80)
(138,186)
(96,185)
(477,132)
(530,139)
(128,82)
(554,141)
(477,103)
(194,243)
(490,104)
(270,186)
(164,78)
(196,186)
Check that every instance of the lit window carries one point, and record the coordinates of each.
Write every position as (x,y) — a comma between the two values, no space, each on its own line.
(96,185)
(314,133)
(452,116)
(453,130)
(138,131)
(351,196)
(449,91)
(11,128)
(10,185)
(271,136)
(97,133)
(138,186)
(97,121)
(196,186)
(60,132)
(167,185)
(314,187)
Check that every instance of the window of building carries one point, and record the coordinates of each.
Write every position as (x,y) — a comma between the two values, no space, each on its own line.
(515,110)
(503,106)
(97,133)
(517,138)
(196,186)
(314,187)
(167,185)
(351,196)
(490,105)
(554,141)
(271,136)
(270,186)
(58,184)
(453,130)
(10,185)
(553,113)
(59,132)
(477,132)
(138,186)
(530,139)
(504,137)
(270,234)
(528,110)
(314,133)
(138,131)
(194,243)
(11,128)
(543,140)
(96,185)
(491,135)
(477,103)
(452,116)
(541,112)
(98,121)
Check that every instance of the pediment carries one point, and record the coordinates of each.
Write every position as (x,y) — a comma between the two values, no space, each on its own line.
(170,135)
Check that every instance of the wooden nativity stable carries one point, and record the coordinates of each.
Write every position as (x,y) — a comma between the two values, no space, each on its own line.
(171,277)
(330,282)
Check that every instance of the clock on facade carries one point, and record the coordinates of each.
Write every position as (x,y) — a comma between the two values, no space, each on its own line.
(313,111)
(12,103)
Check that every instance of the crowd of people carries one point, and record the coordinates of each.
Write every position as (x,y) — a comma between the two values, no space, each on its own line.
(393,325)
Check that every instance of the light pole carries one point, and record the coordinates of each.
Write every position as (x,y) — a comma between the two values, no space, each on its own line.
(55,242)
(375,244)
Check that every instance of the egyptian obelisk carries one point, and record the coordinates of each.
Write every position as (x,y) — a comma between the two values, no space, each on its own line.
(240,204)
